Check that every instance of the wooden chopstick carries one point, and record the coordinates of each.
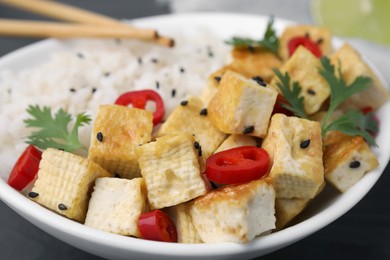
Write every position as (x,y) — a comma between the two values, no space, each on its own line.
(73,14)
(26,28)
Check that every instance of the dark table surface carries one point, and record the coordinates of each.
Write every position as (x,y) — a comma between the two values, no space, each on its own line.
(362,233)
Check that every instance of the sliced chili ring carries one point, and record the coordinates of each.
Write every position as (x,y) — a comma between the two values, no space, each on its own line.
(25,169)
(157,226)
(237,165)
(139,98)
(306,42)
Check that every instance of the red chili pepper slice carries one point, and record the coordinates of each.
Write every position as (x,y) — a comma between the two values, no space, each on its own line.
(157,226)
(306,42)
(278,107)
(139,99)
(25,168)
(237,165)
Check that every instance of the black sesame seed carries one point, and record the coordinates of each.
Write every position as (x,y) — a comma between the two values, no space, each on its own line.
(217,78)
(199,148)
(107,74)
(154,60)
(251,49)
(9,91)
(320,40)
(116,175)
(211,54)
(305,144)
(311,92)
(259,80)
(157,85)
(93,90)
(173,93)
(80,55)
(72,90)
(62,207)
(139,61)
(203,112)
(118,41)
(354,164)
(184,103)
(32,194)
(61,149)
(249,129)
(99,137)
(182,70)
(213,185)
(307,35)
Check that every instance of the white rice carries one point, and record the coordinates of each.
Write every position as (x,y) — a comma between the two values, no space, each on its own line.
(111,67)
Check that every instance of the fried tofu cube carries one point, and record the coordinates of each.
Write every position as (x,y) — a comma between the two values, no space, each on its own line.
(320,35)
(186,231)
(255,63)
(171,170)
(191,117)
(347,159)
(295,148)
(303,68)
(242,106)
(352,66)
(116,205)
(65,181)
(116,132)
(234,141)
(234,213)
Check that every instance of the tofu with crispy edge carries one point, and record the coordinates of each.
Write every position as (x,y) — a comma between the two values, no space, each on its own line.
(116,205)
(116,132)
(234,213)
(234,141)
(303,67)
(65,182)
(319,35)
(295,148)
(186,231)
(242,106)
(347,159)
(191,117)
(171,170)
(352,66)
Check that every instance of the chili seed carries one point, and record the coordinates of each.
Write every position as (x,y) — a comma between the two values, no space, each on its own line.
(203,112)
(249,129)
(62,207)
(99,137)
(184,103)
(32,194)
(173,93)
(354,164)
(217,78)
(311,92)
(305,144)
(157,85)
(259,80)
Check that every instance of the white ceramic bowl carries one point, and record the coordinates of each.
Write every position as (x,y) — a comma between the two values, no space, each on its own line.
(329,206)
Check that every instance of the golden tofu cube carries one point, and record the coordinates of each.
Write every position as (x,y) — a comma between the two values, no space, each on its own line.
(295,149)
(116,205)
(234,213)
(186,231)
(255,63)
(191,117)
(320,35)
(234,141)
(117,131)
(303,67)
(352,66)
(347,159)
(242,106)
(65,182)
(171,170)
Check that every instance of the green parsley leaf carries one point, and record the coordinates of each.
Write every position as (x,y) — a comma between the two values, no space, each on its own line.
(291,94)
(53,131)
(270,41)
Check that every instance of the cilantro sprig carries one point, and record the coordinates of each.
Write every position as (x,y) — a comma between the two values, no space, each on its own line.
(351,123)
(53,131)
(270,41)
